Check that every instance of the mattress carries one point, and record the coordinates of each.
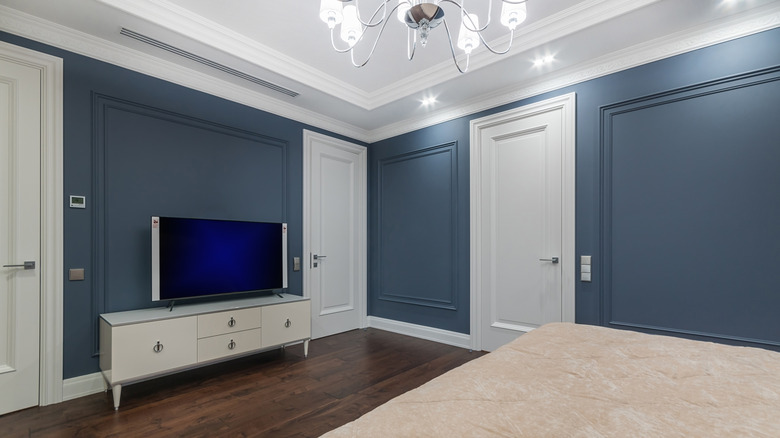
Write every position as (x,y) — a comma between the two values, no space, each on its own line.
(586,381)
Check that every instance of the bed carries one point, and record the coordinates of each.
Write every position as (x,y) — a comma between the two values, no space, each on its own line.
(578,380)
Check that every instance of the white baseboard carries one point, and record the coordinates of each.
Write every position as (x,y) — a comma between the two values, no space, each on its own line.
(421,331)
(83,385)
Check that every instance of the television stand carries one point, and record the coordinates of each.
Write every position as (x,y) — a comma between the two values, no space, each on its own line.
(143,344)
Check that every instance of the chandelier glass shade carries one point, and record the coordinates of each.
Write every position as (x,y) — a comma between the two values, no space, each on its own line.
(344,19)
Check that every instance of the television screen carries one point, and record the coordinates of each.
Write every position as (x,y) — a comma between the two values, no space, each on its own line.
(202,257)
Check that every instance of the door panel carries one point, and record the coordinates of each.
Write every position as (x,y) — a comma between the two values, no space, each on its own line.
(337,222)
(521,198)
(334,218)
(20,148)
(520,240)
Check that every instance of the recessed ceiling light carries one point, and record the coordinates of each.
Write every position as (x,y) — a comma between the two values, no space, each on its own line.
(428,101)
(538,62)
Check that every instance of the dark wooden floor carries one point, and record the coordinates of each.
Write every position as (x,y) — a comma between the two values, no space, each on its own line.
(278,393)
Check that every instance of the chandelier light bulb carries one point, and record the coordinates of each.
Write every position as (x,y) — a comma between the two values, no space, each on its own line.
(512,14)
(351,29)
(331,12)
(468,39)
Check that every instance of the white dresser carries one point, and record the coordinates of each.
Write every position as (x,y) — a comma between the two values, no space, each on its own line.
(141,344)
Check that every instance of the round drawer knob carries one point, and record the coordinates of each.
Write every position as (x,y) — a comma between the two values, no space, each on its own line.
(288,323)
(231,345)
(232,322)
(157,347)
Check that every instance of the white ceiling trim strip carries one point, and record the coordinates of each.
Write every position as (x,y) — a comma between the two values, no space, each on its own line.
(44,31)
(747,23)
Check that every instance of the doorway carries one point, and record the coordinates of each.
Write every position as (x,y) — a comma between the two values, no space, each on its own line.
(522,220)
(334,241)
(32,209)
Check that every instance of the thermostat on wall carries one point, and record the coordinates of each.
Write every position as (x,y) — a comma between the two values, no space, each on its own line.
(78,201)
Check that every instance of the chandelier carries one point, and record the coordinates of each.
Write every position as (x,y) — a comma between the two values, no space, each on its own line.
(420,17)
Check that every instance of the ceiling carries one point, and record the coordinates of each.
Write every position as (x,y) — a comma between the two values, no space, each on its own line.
(285,43)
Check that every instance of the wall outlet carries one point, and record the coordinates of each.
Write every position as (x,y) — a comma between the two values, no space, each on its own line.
(76,274)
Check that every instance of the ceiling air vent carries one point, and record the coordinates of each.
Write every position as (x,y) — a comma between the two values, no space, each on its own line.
(213,64)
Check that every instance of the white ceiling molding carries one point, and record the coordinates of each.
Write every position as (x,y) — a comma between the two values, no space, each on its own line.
(198,28)
(566,22)
(747,23)
(753,21)
(164,13)
(37,29)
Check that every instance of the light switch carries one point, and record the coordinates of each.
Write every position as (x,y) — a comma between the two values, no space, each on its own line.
(296,263)
(585,260)
(76,274)
(585,268)
(585,276)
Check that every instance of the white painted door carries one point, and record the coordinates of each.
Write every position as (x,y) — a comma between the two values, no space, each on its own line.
(20,149)
(334,236)
(521,192)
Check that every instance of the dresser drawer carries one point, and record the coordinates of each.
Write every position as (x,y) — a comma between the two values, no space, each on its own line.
(283,323)
(230,321)
(152,347)
(228,344)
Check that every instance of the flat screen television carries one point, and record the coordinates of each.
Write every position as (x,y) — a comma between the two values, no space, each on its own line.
(193,258)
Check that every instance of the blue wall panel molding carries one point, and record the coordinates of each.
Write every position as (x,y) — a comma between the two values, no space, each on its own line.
(417,246)
(690,216)
(148,161)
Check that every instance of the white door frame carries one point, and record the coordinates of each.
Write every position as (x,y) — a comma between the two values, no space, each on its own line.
(362,184)
(567,103)
(51,263)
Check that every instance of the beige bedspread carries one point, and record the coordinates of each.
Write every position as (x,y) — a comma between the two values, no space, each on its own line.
(567,380)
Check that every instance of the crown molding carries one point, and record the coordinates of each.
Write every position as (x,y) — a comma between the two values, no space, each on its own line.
(199,28)
(576,18)
(744,24)
(34,28)
(747,23)
(180,20)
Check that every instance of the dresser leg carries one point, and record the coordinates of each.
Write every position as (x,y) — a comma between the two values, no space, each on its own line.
(306,348)
(117,392)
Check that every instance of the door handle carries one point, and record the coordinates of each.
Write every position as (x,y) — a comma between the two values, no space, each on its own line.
(554,260)
(26,265)
(314,257)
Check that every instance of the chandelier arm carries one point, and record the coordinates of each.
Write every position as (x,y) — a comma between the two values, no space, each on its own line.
(452,50)
(411,48)
(383,7)
(465,14)
(333,43)
(373,48)
(411,43)
(498,52)
(362,34)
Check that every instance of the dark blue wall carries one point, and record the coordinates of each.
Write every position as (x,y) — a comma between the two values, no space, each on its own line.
(137,146)
(418,197)
(696,250)
(149,162)
(682,221)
